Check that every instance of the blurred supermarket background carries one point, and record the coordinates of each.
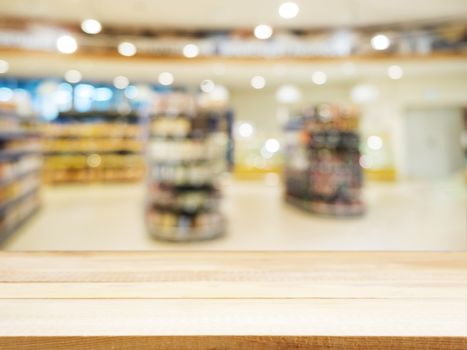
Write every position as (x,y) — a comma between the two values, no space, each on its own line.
(220,124)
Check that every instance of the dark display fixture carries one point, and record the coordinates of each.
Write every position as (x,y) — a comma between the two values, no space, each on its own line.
(322,171)
(186,156)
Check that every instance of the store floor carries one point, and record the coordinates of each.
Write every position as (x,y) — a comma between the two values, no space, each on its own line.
(402,216)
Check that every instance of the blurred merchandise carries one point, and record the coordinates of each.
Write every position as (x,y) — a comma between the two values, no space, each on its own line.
(165,118)
(187,151)
(322,171)
(20,165)
(93,147)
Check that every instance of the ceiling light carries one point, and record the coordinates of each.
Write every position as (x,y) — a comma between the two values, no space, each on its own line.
(265,153)
(272,145)
(207,86)
(131,92)
(395,72)
(91,26)
(4,66)
(288,94)
(288,10)
(73,76)
(121,82)
(6,94)
(62,97)
(166,78)
(126,49)
(319,78)
(375,143)
(258,82)
(365,162)
(102,94)
(245,130)
(66,44)
(84,91)
(190,50)
(263,31)
(380,42)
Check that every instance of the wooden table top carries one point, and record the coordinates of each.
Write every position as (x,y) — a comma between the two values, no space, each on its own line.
(233,300)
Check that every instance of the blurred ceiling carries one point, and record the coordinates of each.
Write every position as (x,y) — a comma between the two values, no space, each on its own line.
(232,73)
(227,14)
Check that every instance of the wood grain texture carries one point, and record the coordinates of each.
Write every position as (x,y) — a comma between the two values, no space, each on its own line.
(233,343)
(233,300)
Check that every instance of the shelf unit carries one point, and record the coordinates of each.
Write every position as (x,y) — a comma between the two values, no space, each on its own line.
(97,146)
(20,167)
(322,172)
(186,154)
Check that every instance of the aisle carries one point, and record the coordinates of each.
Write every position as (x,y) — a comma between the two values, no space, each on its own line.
(406,216)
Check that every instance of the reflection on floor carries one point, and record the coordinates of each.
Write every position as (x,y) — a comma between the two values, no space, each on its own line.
(403,216)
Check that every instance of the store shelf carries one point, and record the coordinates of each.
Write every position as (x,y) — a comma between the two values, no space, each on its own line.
(72,152)
(162,208)
(15,115)
(5,206)
(79,149)
(20,173)
(4,235)
(322,171)
(6,156)
(17,135)
(6,181)
(233,300)
(186,154)
(109,114)
(93,137)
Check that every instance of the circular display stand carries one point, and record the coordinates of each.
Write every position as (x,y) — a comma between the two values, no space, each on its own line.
(326,209)
(186,154)
(183,234)
(337,210)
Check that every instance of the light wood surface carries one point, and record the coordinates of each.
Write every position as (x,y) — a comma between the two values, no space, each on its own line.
(233,300)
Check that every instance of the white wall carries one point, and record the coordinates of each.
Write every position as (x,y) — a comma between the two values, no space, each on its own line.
(261,108)
(432,143)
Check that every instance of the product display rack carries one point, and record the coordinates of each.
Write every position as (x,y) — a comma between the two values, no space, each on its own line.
(20,167)
(96,146)
(322,172)
(186,155)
